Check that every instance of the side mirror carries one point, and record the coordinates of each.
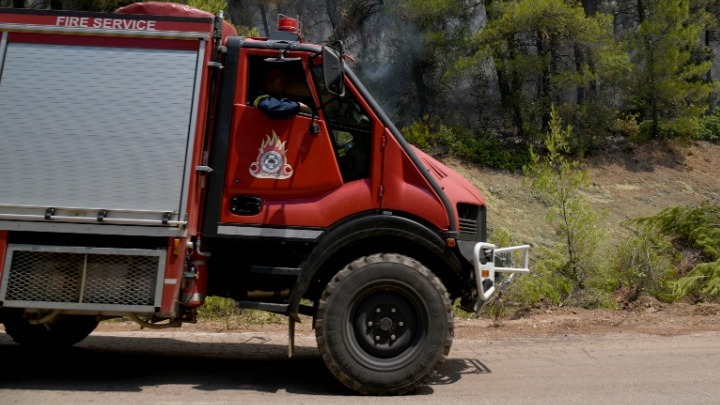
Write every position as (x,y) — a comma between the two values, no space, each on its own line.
(333,72)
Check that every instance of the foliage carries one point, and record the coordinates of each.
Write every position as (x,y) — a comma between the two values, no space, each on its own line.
(226,310)
(691,227)
(643,262)
(481,148)
(541,49)
(592,125)
(692,230)
(627,127)
(667,84)
(545,283)
(703,279)
(431,138)
(710,130)
(218,308)
(246,31)
(213,6)
(486,149)
(569,264)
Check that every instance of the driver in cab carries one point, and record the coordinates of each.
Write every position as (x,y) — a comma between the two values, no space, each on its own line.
(273,103)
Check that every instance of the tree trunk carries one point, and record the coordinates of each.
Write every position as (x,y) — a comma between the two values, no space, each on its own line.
(263,17)
(419,69)
(590,7)
(579,59)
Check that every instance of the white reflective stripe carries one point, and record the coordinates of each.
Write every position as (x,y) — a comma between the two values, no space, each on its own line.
(105,31)
(269,232)
(171,281)
(95,229)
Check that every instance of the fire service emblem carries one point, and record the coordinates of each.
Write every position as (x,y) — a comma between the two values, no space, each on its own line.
(271,162)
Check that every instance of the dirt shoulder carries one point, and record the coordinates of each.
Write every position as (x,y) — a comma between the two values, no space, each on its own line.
(650,318)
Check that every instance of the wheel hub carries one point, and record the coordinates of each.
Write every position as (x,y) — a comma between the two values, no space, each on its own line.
(385,324)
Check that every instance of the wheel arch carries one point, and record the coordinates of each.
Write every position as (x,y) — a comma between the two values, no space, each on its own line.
(376,233)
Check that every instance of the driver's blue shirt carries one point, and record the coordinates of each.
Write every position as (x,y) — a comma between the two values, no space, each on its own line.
(276,108)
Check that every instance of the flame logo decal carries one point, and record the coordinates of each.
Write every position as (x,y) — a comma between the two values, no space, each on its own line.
(271,162)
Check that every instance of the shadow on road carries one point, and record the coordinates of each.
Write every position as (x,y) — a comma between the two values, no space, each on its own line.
(127,364)
(454,369)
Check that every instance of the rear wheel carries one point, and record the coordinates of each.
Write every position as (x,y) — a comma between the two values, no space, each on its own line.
(384,325)
(61,332)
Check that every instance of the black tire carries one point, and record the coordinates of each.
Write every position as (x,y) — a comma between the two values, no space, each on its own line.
(62,332)
(384,325)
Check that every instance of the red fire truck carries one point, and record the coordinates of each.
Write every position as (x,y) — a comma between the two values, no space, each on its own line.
(138,178)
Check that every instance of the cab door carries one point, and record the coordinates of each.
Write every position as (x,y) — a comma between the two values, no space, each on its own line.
(287,172)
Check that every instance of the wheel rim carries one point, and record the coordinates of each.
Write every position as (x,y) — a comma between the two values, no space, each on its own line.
(386,326)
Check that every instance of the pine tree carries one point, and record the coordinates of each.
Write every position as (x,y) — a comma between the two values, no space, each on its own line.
(545,52)
(668,86)
(560,183)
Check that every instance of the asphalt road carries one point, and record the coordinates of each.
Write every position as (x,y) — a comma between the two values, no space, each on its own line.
(171,367)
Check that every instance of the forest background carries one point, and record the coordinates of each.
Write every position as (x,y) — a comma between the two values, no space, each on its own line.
(539,88)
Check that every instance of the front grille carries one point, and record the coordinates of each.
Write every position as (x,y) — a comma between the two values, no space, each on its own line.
(468,225)
(471,220)
(82,278)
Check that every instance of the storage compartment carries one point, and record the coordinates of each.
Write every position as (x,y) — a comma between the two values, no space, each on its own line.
(82,278)
(96,134)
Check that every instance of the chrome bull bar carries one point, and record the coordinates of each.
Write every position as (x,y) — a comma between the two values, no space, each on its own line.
(485,255)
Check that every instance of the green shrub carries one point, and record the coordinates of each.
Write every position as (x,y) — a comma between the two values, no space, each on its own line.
(703,280)
(643,263)
(694,227)
(219,309)
(544,284)
(560,182)
(682,128)
(694,233)
(432,139)
(566,270)
(592,125)
(710,128)
(486,149)
(226,310)
(483,148)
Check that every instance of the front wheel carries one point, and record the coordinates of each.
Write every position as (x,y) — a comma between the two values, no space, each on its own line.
(384,325)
